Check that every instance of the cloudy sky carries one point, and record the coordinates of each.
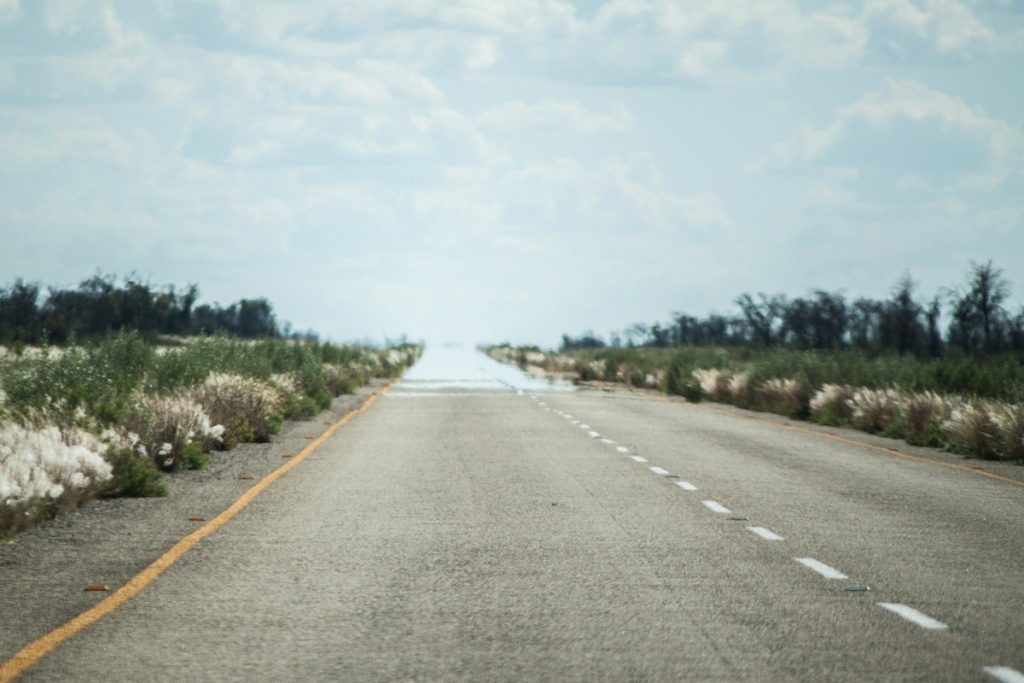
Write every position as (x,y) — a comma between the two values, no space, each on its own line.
(494,170)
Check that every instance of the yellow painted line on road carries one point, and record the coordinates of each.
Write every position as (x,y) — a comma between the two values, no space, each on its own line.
(36,650)
(888,450)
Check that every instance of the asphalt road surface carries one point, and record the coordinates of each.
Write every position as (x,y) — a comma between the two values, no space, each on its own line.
(474,524)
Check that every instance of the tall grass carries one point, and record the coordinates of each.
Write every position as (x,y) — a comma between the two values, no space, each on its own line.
(106,417)
(970,405)
(999,377)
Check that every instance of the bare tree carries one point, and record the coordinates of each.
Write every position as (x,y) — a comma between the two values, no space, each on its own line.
(762,316)
(978,316)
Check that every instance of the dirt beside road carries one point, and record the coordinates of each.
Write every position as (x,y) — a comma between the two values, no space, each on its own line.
(44,570)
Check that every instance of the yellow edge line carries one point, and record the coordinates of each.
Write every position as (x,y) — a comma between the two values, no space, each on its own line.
(852,442)
(42,646)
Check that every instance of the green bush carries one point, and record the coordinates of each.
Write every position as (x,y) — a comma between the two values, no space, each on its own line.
(134,476)
(193,457)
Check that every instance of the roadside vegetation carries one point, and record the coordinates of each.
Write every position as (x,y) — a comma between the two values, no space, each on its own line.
(112,415)
(885,367)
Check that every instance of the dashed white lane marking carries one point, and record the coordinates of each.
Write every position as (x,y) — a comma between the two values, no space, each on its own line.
(911,614)
(715,506)
(575,422)
(594,434)
(686,486)
(606,440)
(822,568)
(766,534)
(622,449)
(541,403)
(638,458)
(658,470)
(1005,674)
(584,426)
(568,416)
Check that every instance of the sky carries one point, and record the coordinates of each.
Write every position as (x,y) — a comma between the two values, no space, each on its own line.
(487,171)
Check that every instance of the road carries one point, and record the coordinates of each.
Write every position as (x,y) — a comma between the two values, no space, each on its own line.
(473,524)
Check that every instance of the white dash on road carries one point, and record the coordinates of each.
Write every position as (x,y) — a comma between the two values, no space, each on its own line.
(575,422)
(606,440)
(1005,674)
(911,614)
(541,404)
(686,486)
(715,506)
(766,534)
(584,426)
(622,449)
(822,568)
(637,458)
(568,416)
(594,434)
(658,470)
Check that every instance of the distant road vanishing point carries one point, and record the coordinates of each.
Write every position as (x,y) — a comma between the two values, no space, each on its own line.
(478,524)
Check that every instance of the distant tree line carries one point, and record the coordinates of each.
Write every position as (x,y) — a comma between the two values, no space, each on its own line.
(978,322)
(101,304)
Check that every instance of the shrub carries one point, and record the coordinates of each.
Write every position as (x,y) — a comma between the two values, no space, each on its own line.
(245,406)
(739,388)
(875,410)
(972,431)
(134,476)
(679,380)
(830,405)
(166,426)
(782,396)
(45,470)
(714,383)
(294,403)
(589,371)
(1009,422)
(921,417)
(339,381)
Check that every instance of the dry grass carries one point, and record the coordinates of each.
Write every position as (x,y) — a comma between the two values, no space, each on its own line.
(971,429)
(165,425)
(714,383)
(783,396)
(831,404)
(249,409)
(874,410)
(46,469)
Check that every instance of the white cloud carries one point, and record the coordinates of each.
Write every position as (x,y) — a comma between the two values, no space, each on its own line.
(720,40)
(705,37)
(256,151)
(914,103)
(590,201)
(9,10)
(482,54)
(514,137)
(519,114)
(947,26)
